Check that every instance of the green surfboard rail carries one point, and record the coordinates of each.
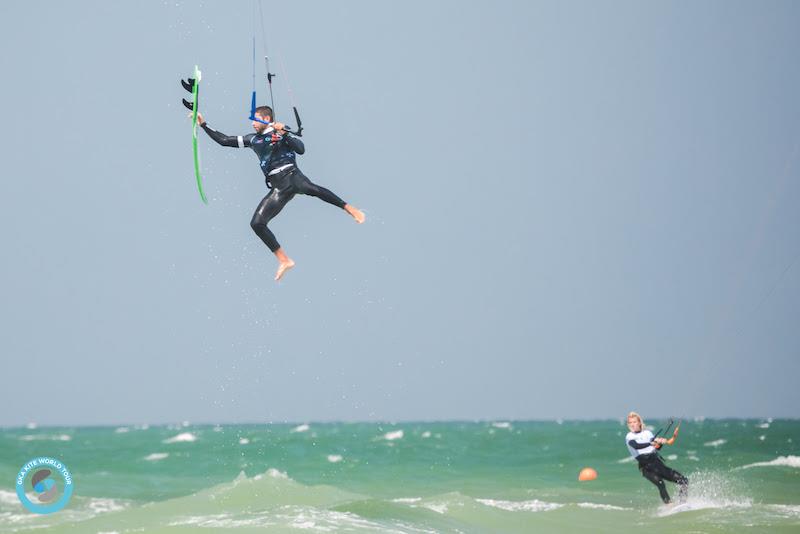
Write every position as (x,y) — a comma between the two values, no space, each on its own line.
(195,93)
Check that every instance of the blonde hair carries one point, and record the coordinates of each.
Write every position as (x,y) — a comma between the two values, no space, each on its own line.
(637,416)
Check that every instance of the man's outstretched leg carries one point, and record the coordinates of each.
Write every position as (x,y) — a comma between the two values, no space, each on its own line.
(356,213)
(270,206)
(307,187)
(286,263)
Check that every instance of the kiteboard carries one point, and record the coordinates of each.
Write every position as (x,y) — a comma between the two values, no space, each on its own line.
(193,86)
(680,507)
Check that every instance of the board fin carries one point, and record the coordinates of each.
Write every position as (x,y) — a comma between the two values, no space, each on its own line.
(188,84)
(189,105)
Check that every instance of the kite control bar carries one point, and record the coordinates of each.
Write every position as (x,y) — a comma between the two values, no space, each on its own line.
(671,440)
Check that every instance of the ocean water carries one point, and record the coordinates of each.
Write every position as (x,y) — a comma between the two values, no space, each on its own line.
(475,477)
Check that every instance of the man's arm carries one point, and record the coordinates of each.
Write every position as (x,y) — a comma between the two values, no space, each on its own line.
(295,143)
(226,140)
(221,138)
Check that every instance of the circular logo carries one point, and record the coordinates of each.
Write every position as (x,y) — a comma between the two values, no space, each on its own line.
(44,485)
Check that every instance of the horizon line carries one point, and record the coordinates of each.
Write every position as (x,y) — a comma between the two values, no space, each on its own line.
(559,420)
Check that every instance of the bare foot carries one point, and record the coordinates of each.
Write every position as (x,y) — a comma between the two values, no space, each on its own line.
(282,268)
(356,213)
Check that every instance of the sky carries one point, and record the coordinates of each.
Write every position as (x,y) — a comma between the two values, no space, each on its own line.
(574,209)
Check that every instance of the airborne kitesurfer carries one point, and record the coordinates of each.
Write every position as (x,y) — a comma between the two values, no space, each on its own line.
(643,446)
(276,147)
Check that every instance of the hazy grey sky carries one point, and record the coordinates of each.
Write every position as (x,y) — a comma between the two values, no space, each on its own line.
(574,209)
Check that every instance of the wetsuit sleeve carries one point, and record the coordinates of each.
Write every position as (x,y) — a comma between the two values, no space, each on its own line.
(227,140)
(636,445)
(294,143)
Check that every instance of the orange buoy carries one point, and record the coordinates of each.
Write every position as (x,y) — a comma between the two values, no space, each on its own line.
(587,473)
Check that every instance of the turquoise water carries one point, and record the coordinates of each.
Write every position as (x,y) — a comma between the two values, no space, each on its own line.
(406,477)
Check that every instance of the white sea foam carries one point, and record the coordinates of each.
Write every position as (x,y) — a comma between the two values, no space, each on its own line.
(709,490)
(122,430)
(31,426)
(274,473)
(300,428)
(597,506)
(271,472)
(416,502)
(786,510)
(101,505)
(393,435)
(184,437)
(780,461)
(321,520)
(700,504)
(672,457)
(426,434)
(335,458)
(221,521)
(521,506)
(46,437)
(154,457)
(81,508)
(626,460)
(716,442)
(9,518)
(244,441)
(763,425)
(9,497)
(502,424)
(438,507)
(407,500)
(762,437)
(675,508)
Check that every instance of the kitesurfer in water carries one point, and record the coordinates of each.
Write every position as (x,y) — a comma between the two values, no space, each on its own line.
(643,446)
(276,148)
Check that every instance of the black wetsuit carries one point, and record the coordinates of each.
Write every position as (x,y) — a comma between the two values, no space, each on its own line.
(277,158)
(653,469)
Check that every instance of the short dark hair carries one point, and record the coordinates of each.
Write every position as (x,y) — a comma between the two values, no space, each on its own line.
(265,111)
